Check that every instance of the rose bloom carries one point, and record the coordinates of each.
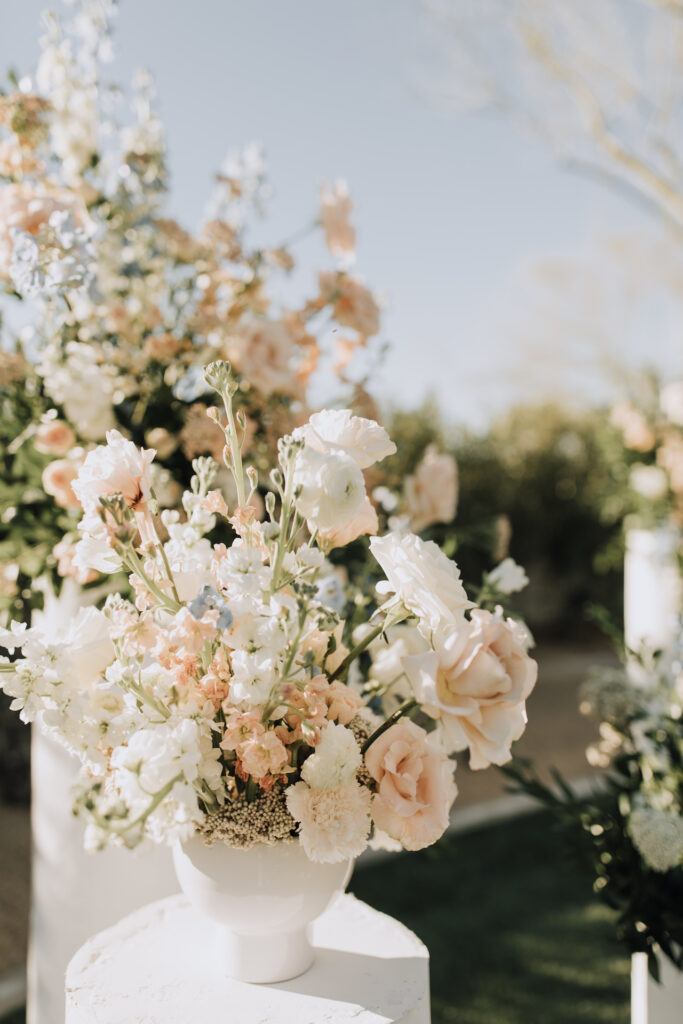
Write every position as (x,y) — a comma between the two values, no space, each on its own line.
(334,824)
(423,577)
(262,351)
(353,305)
(54,438)
(431,493)
(475,683)
(415,788)
(338,430)
(364,523)
(58,478)
(64,552)
(119,467)
(28,208)
(335,213)
(331,489)
(671,402)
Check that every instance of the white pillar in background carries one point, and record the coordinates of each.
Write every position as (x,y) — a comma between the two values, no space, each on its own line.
(653,601)
(74,894)
(652,587)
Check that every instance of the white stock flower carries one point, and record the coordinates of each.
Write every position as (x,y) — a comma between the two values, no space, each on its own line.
(336,760)
(423,577)
(85,388)
(253,676)
(508,577)
(658,837)
(338,430)
(332,488)
(87,649)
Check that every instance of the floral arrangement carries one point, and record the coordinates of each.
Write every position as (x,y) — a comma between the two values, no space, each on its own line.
(123,308)
(629,833)
(230,698)
(644,445)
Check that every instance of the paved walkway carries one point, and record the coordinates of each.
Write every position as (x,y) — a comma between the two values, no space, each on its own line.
(557,734)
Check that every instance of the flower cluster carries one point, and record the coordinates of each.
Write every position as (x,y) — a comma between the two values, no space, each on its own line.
(127,307)
(226,695)
(645,447)
(629,832)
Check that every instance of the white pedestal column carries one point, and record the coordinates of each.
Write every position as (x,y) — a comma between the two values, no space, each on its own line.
(653,1003)
(162,965)
(74,894)
(652,587)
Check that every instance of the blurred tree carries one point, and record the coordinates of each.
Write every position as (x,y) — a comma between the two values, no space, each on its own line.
(600,79)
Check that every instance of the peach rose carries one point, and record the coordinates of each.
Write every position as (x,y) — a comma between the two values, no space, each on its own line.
(415,787)
(58,477)
(432,491)
(54,438)
(475,683)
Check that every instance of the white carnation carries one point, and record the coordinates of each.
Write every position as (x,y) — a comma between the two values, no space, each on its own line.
(658,837)
(336,760)
(334,824)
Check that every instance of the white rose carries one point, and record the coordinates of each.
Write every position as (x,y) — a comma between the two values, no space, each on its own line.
(332,488)
(338,430)
(119,467)
(423,577)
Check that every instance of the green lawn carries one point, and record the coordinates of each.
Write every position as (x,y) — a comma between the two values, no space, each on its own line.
(514,932)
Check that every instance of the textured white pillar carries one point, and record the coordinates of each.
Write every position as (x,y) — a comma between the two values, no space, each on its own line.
(161,966)
(653,1003)
(74,894)
(652,587)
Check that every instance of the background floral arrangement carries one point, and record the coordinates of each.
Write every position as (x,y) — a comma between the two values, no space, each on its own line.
(222,699)
(629,834)
(644,447)
(126,307)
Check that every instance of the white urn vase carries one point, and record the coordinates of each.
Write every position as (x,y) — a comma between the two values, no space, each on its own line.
(262,901)
(655,1002)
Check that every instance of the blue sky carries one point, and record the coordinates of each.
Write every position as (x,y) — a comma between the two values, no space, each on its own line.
(449,209)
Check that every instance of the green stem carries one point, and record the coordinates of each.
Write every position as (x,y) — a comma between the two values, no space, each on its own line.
(405,707)
(284,524)
(343,668)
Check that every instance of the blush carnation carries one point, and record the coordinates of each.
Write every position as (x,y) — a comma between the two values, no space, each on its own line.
(334,824)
